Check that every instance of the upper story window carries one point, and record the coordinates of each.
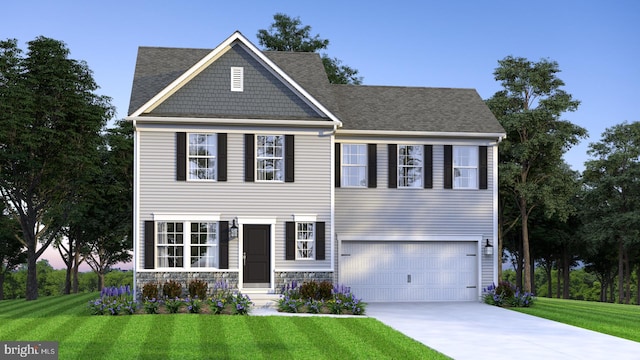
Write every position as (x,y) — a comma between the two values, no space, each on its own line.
(270,158)
(410,166)
(305,238)
(200,251)
(465,167)
(203,150)
(237,79)
(354,165)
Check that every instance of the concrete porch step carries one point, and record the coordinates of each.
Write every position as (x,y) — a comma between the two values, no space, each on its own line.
(262,300)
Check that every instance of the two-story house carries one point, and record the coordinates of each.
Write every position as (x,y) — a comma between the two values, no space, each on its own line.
(251,168)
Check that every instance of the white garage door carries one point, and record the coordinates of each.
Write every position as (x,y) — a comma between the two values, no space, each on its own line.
(410,271)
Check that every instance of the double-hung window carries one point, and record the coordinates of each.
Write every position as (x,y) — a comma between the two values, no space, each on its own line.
(199,251)
(270,158)
(354,165)
(410,166)
(170,244)
(203,150)
(465,167)
(305,238)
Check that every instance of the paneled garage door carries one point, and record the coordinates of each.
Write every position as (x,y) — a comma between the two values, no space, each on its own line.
(410,271)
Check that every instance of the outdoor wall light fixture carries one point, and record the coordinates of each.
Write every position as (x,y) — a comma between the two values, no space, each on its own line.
(233,230)
(488,249)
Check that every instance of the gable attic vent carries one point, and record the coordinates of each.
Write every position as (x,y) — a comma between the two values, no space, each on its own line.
(237,79)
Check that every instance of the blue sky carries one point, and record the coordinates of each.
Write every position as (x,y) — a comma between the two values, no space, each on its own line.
(400,43)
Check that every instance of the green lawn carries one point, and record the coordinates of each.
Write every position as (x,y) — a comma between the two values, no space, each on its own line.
(613,319)
(198,336)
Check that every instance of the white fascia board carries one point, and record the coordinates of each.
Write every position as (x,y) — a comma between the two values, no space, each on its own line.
(402,238)
(226,121)
(219,50)
(447,134)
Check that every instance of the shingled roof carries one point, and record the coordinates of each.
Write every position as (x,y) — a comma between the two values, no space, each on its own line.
(375,108)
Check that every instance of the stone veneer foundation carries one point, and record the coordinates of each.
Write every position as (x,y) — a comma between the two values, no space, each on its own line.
(231,278)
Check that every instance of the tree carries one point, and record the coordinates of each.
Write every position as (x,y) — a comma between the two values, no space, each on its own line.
(11,249)
(50,115)
(529,108)
(612,180)
(105,229)
(288,34)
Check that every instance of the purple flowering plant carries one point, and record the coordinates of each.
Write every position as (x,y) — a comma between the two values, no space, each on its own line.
(113,300)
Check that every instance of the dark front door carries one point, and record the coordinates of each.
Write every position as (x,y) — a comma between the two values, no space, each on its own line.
(257,265)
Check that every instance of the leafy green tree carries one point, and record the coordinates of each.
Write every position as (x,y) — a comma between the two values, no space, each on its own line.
(106,226)
(288,34)
(50,116)
(529,108)
(612,198)
(11,249)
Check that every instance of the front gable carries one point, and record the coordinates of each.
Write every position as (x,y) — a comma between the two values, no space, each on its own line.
(233,81)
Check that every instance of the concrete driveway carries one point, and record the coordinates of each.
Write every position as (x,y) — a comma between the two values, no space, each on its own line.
(472,330)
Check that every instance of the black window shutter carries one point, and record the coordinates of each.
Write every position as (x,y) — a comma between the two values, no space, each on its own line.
(181,156)
(290,240)
(249,154)
(428,166)
(222,157)
(372,166)
(289,159)
(393,166)
(482,167)
(320,240)
(338,165)
(224,245)
(448,167)
(149,244)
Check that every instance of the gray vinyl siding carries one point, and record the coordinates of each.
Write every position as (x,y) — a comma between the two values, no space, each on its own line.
(309,194)
(417,212)
(209,93)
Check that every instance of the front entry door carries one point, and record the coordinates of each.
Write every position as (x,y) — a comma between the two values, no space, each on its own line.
(256,258)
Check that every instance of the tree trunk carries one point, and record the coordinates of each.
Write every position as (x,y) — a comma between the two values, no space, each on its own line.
(638,287)
(67,281)
(100,280)
(620,272)
(566,272)
(549,269)
(627,270)
(1,285)
(559,279)
(527,270)
(32,273)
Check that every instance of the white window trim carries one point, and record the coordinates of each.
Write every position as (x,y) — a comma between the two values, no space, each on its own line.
(237,79)
(399,166)
(215,157)
(343,165)
(186,243)
(454,167)
(274,158)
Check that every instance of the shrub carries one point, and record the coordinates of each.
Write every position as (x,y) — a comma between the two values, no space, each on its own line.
(198,288)
(173,305)
(193,304)
(325,290)
(226,301)
(151,305)
(150,291)
(172,289)
(340,301)
(506,294)
(113,300)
